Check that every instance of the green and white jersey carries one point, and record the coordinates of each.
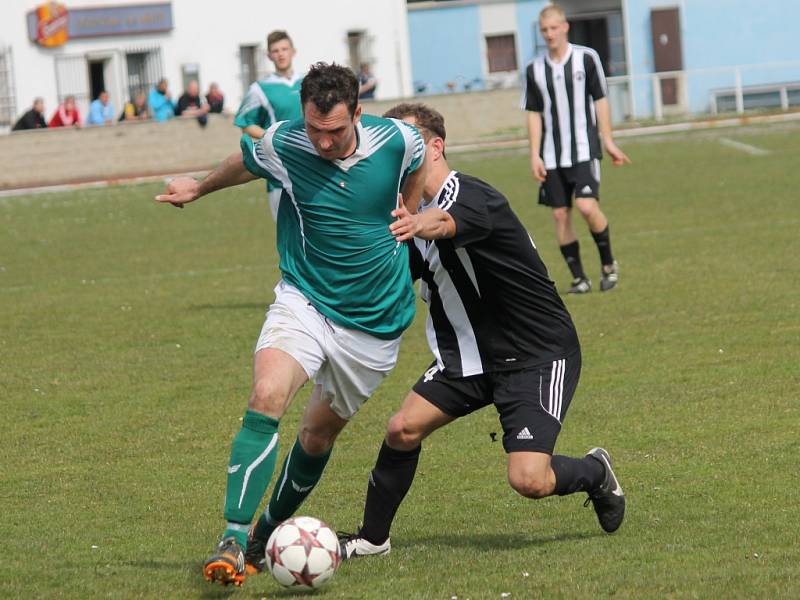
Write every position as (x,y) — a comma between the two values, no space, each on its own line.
(270,100)
(333,222)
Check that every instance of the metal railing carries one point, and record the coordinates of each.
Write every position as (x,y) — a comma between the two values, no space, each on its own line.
(712,90)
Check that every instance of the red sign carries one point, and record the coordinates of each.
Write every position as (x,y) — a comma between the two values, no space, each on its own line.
(52,28)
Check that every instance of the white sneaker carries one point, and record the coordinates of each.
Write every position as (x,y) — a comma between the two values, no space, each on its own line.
(355,546)
(609,277)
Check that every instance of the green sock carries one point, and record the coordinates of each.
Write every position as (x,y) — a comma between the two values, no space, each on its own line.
(299,475)
(252,462)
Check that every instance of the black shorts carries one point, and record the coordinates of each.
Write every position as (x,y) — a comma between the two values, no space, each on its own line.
(532,403)
(581,180)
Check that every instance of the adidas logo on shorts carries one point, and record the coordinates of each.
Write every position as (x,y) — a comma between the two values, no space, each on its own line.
(525,434)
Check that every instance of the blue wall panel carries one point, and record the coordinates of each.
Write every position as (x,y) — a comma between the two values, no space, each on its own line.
(716,36)
(528,28)
(445,47)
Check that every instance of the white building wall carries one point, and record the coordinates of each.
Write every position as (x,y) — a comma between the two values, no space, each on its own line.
(210,35)
(498,19)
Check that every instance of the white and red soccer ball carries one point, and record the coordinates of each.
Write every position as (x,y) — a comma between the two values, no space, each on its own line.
(303,553)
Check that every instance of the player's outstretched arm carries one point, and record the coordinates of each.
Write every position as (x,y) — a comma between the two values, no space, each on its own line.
(618,157)
(431,224)
(183,190)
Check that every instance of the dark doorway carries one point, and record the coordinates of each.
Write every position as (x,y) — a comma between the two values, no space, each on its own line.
(667,54)
(97,80)
(591,32)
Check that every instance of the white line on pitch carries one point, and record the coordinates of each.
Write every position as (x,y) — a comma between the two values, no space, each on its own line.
(751,150)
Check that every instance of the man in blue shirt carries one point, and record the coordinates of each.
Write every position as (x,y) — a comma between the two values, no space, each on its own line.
(160,102)
(101,112)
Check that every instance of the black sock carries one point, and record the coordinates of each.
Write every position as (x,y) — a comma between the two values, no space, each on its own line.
(572,254)
(603,241)
(389,482)
(576,474)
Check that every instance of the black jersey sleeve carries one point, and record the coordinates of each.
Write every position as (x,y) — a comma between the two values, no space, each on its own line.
(470,210)
(533,100)
(595,78)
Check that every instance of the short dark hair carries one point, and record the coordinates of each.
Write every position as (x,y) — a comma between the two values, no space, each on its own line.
(326,85)
(277,36)
(428,120)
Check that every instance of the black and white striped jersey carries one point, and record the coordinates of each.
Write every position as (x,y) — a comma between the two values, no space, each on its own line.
(492,306)
(564,93)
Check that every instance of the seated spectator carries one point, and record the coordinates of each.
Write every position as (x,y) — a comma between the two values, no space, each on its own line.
(160,102)
(366,83)
(136,110)
(101,112)
(215,98)
(66,114)
(33,119)
(191,105)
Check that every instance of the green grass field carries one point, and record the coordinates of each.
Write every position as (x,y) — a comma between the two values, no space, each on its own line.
(126,336)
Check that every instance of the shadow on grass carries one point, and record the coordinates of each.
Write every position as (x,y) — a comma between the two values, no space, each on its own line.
(495,541)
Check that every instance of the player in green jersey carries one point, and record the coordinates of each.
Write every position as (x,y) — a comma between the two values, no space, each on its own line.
(272,99)
(344,299)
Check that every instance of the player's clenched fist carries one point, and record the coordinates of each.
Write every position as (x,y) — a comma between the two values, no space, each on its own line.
(180,190)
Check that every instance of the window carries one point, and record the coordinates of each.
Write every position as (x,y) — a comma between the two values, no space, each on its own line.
(248,65)
(8,107)
(144,70)
(190,72)
(72,79)
(359,47)
(501,52)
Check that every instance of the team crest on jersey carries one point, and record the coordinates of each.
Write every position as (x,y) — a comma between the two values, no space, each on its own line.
(580,76)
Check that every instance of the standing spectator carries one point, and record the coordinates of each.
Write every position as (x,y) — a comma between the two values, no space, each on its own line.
(66,114)
(136,110)
(101,112)
(275,98)
(33,119)
(191,105)
(565,89)
(366,83)
(160,101)
(215,98)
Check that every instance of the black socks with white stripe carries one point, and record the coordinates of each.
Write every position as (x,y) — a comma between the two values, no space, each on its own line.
(576,474)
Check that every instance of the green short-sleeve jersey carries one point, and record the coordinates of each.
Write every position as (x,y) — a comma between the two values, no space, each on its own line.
(333,222)
(270,100)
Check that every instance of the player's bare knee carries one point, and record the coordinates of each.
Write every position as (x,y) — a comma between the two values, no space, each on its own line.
(587,207)
(561,214)
(400,435)
(530,486)
(316,441)
(267,398)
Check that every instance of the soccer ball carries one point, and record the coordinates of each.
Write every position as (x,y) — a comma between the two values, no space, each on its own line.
(303,553)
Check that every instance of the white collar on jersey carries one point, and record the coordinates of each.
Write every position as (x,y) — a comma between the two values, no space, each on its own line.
(370,140)
(290,81)
(564,60)
(434,202)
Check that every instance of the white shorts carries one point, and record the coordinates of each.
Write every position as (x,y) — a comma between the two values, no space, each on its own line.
(347,363)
